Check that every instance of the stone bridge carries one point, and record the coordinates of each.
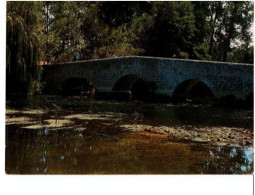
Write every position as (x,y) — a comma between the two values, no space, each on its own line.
(159,75)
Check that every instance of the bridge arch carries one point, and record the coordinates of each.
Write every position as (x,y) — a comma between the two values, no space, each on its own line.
(194,90)
(249,100)
(76,86)
(138,87)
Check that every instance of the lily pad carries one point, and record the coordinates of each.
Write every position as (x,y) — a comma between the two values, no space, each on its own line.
(36,126)
(39,112)
(201,140)
(221,144)
(19,120)
(87,117)
(52,124)
(58,122)
(80,128)
(11,111)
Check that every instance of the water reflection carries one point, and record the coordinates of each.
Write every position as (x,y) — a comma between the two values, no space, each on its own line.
(46,131)
(233,152)
(98,144)
(140,153)
(240,160)
(248,154)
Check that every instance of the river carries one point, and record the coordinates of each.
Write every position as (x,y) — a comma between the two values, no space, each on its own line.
(73,135)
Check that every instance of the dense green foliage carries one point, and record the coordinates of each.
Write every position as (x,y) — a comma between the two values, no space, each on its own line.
(23,46)
(230,24)
(66,31)
(195,30)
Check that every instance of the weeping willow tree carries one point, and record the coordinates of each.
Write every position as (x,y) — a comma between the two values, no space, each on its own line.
(23,47)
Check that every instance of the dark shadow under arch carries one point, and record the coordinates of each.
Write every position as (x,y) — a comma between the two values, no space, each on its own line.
(249,101)
(138,87)
(76,86)
(192,90)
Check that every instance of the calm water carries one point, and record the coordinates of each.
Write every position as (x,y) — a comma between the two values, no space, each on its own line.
(60,135)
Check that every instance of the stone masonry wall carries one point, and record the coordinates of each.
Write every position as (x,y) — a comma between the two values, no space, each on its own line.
(222,78)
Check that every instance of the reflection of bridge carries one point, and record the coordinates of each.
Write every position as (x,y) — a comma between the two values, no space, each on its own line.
(160,75)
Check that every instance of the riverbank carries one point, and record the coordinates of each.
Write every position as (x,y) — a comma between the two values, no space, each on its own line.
(221,136)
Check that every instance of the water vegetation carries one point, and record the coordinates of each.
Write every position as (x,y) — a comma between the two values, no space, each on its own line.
(81,122)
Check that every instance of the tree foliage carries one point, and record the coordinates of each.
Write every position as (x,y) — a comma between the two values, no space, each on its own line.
(174,27)
(23,47)
(195,30)
(230,24)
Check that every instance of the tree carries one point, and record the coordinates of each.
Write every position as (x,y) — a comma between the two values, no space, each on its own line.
(46,35)
(23,48)
(230,27)
(174,27)
(108,35)
(241,55)
(66,30)
(201,36)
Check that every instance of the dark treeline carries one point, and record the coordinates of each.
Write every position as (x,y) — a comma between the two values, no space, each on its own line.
(54,32)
